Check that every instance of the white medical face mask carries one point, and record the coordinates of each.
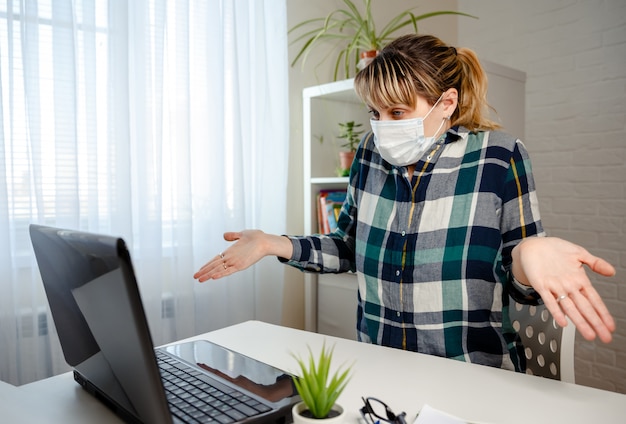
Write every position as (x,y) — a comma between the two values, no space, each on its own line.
(403,142)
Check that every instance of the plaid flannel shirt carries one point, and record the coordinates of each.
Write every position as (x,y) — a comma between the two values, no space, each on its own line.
(432,253)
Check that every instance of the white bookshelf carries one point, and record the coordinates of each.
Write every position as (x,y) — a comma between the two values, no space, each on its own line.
(324,106)
(330,299)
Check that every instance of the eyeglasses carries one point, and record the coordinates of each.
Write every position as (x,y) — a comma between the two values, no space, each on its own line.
(376,408)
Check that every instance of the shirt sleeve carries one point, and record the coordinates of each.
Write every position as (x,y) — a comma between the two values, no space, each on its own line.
(334,252)
(323,253)
(520,216)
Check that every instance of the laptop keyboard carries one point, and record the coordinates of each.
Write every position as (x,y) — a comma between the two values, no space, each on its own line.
(193,397)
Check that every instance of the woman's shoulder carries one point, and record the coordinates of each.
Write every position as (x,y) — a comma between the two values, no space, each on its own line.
(492,138)
(367,141)
(502,137)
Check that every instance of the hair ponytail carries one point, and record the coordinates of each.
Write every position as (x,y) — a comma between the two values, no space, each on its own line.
(473,106)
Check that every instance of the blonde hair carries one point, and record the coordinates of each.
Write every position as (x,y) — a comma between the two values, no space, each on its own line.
(424,65)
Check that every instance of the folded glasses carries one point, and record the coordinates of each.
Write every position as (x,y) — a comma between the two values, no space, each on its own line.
(376,410)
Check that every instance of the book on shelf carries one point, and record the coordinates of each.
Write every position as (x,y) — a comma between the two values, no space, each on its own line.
(329,204)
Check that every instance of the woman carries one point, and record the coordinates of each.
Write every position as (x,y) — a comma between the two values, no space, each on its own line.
(440,222)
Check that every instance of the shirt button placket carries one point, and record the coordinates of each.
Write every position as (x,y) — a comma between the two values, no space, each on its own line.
(400,281)
(398,275)
(399,313)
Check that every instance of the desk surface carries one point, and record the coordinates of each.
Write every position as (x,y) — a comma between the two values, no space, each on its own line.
(405,380)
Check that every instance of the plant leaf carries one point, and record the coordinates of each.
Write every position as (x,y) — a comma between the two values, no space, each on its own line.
(357,30)
(317,388)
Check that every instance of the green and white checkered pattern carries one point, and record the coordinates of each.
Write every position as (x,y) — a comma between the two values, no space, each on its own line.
(432,250)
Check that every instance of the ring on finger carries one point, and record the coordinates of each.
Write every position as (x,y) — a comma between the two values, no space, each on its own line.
(222,255)
(224,264)
(561,297)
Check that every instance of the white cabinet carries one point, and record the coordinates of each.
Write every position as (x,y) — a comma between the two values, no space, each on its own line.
(330,299)
(336,311)
(324,107)
(507,95)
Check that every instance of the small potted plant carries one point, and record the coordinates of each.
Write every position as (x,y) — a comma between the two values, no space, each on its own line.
(318,389)
(351,133)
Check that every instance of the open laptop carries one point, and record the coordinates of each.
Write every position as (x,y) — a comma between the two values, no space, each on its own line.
(97,310)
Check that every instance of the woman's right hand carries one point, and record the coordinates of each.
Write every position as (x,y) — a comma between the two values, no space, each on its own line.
(250,247)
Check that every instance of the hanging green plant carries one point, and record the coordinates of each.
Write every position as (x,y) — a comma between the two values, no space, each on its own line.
(354,32)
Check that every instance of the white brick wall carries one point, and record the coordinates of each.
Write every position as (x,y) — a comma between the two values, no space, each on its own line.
(574,55)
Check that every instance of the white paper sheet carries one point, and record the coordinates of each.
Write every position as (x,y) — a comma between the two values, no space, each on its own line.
(430,415)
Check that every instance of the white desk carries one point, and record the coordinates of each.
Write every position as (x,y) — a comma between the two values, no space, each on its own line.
(405,380)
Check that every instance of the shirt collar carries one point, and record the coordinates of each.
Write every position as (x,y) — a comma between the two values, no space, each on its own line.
(455,133)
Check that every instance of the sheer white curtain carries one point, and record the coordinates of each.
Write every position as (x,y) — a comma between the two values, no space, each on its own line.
(161,121)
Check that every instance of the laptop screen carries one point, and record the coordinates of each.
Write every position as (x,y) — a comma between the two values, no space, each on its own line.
(68,260)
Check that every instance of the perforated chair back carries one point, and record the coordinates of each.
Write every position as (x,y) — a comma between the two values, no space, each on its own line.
(549,348)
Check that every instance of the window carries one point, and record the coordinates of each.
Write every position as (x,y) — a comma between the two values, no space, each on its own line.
(136,119)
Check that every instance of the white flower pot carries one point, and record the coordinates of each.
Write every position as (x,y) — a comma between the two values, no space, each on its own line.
(299,419)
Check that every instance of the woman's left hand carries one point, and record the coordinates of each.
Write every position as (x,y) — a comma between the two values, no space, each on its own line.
(555,268)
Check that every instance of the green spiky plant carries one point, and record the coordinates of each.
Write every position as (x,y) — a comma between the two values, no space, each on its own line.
(317,388)
(354,31)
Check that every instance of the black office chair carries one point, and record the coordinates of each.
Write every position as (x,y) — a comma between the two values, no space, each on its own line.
(549,348)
